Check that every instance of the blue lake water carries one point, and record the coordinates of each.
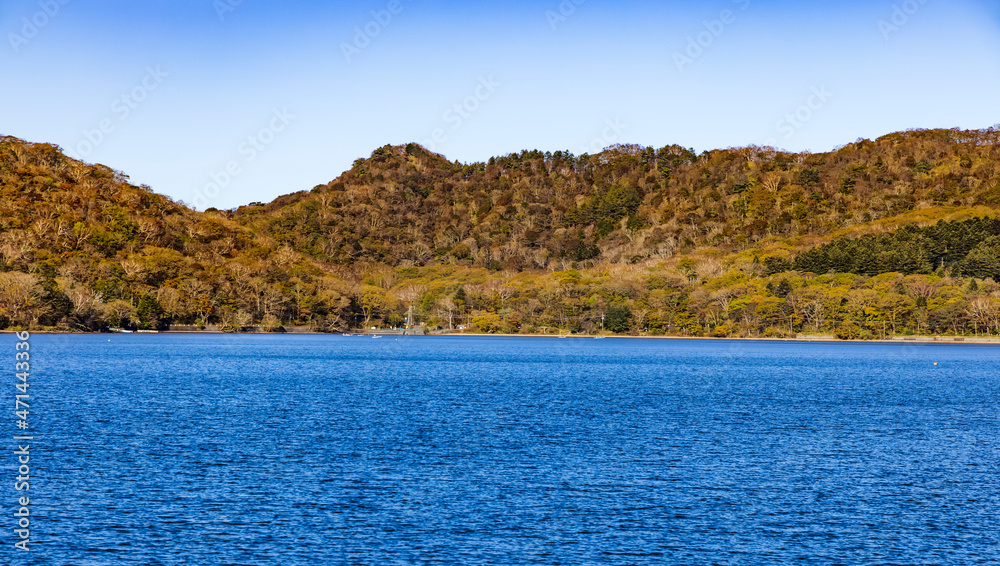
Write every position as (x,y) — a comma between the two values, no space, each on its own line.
(254,449)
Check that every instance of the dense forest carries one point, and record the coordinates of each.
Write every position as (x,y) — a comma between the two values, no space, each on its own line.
(970,248)
(897,235)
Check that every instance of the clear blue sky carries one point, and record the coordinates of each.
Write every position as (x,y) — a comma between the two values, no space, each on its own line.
(287,95)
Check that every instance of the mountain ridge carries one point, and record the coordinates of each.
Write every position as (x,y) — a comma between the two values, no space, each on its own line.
(103,252)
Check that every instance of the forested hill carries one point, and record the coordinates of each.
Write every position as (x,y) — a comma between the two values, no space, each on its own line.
(649,240)
(406,206)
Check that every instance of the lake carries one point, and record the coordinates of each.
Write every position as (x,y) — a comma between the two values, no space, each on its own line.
(270,449)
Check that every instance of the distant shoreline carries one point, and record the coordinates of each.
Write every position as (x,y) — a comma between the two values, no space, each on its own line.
(953,340)
(817,339)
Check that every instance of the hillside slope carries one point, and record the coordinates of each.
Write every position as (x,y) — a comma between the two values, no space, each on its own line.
(643,239)
(406,206)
